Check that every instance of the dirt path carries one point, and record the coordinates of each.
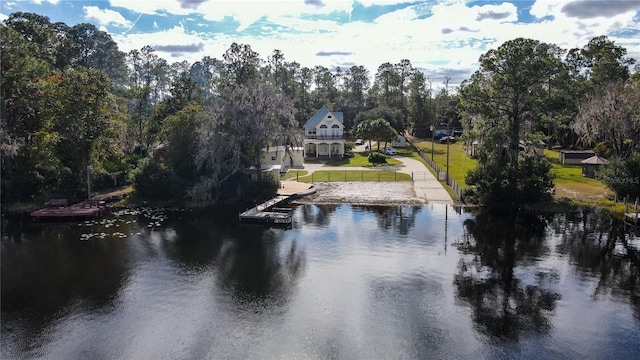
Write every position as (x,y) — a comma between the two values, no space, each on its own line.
(113,194)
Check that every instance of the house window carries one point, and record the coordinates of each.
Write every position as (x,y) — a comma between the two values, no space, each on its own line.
(273,158)
(329,117)
(335,130)
(323,130)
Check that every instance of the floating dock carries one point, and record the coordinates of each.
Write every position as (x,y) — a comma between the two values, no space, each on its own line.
(58,209)
(267,213)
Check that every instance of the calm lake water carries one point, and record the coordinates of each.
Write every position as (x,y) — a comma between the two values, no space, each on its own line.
(346,282)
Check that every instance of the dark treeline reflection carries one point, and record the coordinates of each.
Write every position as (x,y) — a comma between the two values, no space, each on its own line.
(42,271)
(599,246)
(400,219)
(47,270)
(317,215)
(504,306)
(255,267)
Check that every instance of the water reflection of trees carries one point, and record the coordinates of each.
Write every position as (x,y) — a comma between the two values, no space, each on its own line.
(252,263)
(194,240)
(255,268)
(600,247)
(47,270)
(319,215)
(503,305)
(44,272)
(400,219)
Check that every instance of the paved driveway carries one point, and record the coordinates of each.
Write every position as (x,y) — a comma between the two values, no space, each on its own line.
(425,185)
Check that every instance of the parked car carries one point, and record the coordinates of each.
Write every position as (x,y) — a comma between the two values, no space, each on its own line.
(388,151)
(447,139)
(359,142)
(439,136)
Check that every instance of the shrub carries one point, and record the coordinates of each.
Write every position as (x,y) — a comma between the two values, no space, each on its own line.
(377,158)
(101,179)
(495,184)
(604,149)
(153,180)
(622,176)
(349,146)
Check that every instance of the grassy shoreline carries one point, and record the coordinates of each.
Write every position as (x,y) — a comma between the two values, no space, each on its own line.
(571,187)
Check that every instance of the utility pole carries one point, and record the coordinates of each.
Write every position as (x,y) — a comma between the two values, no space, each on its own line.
(433,120)
(89,168)
(448,142)
(446,91)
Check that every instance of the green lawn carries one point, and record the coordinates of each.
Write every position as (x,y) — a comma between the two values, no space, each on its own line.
(293,174)
(459,163)
(360,159)
(354,175)
(571,184)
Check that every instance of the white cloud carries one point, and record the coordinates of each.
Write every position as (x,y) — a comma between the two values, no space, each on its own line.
(173,36)
(105,17)
(569,32)
(380,2)
(245,12)
(248,12)
(453,34)
(542,8)
(151,7)
(49,1)
(3,17)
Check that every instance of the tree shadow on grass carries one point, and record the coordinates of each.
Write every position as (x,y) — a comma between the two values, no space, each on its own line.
(435,151)
(338,162)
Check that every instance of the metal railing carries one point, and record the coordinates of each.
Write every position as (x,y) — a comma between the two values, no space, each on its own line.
(349,176)
(457,189)
(323,137)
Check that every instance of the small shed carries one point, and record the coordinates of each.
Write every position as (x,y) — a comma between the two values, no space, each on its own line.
(574,157)
(591,165)
(283,156)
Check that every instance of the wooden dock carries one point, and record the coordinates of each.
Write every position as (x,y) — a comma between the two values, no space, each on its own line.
(57,208)
(268,214)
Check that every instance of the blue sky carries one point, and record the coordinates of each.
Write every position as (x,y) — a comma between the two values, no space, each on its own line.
(439,37)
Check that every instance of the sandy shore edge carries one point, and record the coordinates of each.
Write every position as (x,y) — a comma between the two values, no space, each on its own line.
(363,193)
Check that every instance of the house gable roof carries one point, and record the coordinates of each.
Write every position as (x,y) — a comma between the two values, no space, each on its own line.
(321,114)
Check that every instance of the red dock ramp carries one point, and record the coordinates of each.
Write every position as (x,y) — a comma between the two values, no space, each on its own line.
(58,209)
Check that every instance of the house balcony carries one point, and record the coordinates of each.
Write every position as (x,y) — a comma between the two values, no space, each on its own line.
(323,137)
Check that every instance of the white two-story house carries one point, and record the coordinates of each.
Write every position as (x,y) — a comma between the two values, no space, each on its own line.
(323,135)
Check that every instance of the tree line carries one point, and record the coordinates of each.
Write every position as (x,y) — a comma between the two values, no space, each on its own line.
(528,93)
(71,99)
